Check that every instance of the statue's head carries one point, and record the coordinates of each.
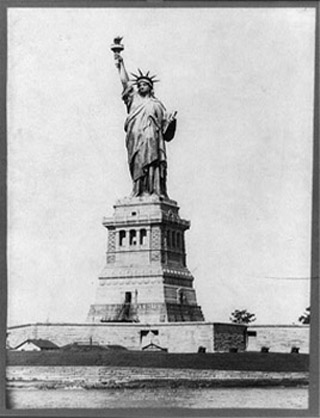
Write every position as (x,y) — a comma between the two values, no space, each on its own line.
(144,82)
(144,88)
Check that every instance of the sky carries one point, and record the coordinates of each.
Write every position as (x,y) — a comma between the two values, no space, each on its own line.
(241,80)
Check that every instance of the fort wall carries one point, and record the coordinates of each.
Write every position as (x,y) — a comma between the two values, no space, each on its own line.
(176,337)
(279,338)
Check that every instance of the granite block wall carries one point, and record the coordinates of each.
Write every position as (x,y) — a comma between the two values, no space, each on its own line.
(229,337)
(176,337)
(279,338)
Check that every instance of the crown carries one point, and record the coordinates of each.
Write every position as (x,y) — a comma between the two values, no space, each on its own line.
(144,77)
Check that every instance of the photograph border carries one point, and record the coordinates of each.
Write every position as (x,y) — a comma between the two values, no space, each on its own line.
(313,410)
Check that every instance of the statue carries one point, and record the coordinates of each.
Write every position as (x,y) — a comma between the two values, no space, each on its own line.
(147,127)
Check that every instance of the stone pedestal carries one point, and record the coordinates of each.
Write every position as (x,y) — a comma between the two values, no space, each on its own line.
(146,278)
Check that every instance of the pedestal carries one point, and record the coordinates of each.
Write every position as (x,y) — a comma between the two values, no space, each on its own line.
(146,278)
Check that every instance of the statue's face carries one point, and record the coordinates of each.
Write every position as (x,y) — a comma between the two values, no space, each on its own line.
(143,88)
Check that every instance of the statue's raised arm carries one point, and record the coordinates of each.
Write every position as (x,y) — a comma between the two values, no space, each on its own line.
(117,47)
(148,127)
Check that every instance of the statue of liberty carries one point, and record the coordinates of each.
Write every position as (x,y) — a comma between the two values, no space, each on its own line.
(147,127)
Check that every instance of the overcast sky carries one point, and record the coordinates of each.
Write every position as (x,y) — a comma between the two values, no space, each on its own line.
(239,166)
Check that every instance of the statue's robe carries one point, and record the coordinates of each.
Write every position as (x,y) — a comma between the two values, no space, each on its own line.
(146,126)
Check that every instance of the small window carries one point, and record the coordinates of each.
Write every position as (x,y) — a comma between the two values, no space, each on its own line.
(143,236)
(128,297)
(168,239)
(133,239)
(122,237)
(181,297)
(178,240)
(133,213)
(173,238)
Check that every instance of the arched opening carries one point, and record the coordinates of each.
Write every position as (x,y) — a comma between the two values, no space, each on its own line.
(178,240)
(173,239)
(122,237)
(133,237)
(128,297)
(181,297)
(143,236)
(168,238)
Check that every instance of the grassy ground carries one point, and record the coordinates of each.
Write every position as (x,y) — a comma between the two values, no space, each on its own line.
(248,361)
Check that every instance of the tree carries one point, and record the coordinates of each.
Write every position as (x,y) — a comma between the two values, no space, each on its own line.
(242,317)
(305,317)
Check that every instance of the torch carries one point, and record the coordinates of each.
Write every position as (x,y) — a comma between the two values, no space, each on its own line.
(117,47)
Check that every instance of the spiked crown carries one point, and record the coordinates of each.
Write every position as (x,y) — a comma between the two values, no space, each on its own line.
(144,77)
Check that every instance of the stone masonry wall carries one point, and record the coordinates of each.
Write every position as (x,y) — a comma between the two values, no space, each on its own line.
(279,338)
(229,337)
(176,337)
(19,334)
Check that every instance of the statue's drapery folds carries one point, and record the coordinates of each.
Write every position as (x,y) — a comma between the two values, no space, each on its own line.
(147,129)
(148,126)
